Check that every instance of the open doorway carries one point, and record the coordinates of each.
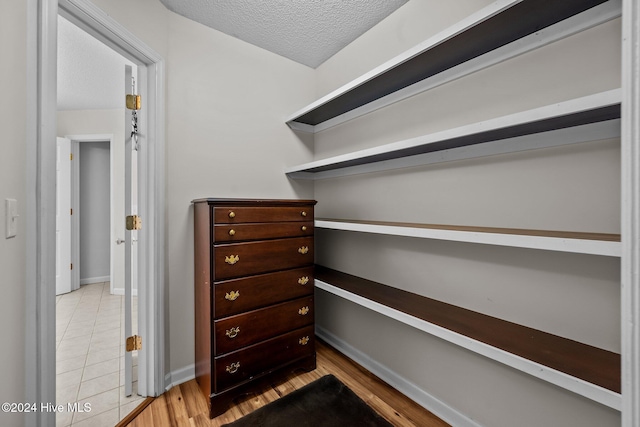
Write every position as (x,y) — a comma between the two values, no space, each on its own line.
(40,205)
(90,318)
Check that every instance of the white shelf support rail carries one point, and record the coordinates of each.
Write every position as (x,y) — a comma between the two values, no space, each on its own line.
(567,382)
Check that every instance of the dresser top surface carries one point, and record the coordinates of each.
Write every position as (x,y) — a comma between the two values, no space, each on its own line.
(253,202)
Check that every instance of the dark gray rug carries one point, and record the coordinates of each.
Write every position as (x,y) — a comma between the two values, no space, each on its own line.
(325,402)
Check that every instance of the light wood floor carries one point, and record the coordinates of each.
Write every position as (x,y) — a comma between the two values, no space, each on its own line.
(185,405)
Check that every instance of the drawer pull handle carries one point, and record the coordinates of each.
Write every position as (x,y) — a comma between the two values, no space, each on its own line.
(303,280)
(232,296)
(304,340)
(303,311)
(232,214)
(303,249)
(233,368)
(232,232)
(303,213)
(304,228)
(233,332)
(231,259)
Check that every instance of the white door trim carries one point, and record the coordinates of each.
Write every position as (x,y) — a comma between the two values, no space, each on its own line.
(75,205)
(64,216)
(42,18)
(630,221)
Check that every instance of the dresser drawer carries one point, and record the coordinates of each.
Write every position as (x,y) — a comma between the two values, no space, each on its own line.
(245,259)
(242,214)
(249,328)
(233,368)
(247,293)
(261,231)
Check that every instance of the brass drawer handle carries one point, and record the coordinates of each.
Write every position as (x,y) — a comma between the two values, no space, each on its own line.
(232,214)
(231,259)
(232,232)
(303,311)
(233,332)
(233,368)
(232,296)
(304,228)
(304,340)
(303,250)
(303,280)
(303,213)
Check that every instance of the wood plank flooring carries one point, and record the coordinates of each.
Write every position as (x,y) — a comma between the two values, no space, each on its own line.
(184,405)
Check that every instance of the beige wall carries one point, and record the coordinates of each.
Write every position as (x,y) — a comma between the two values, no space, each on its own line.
(13,108)
(226,137)
(566,188)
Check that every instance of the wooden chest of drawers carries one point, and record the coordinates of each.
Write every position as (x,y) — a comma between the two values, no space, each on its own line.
(254,312)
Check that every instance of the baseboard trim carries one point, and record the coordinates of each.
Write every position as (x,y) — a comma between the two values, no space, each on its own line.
(179,376)
(92,280)
(120,291)
(421,397)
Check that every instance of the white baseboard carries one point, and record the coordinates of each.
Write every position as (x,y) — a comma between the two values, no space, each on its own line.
(120,291)
(421,397)
(179,376)
(91,280)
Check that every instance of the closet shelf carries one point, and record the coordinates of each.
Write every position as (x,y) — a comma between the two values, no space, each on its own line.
(588,371)
(588,118)
(574,242)
(502,30)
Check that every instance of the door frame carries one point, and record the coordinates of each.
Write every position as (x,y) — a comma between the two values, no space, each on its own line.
(40,334)
(630,215)
(64,217)
(77,213)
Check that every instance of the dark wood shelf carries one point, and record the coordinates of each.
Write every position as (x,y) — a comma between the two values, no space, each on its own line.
(593,117)
(564,241)
(605,237)
(588,363)
(512,23)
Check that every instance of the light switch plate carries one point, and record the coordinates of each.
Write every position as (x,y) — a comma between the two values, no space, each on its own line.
(11,217)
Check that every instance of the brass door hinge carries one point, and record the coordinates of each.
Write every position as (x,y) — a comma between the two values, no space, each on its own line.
(134,343)
(134,222)
(71,156)
(134,102)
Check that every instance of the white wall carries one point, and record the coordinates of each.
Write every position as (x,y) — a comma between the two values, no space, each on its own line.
(568,188)
(95,207)
(13,22)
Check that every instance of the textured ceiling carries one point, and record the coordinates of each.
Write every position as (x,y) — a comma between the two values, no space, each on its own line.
(90,74)
(306,31)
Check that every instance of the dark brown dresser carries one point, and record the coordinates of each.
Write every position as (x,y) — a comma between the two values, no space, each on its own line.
(254,312)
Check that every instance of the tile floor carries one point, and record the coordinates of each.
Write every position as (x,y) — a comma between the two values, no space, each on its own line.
(90,357)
